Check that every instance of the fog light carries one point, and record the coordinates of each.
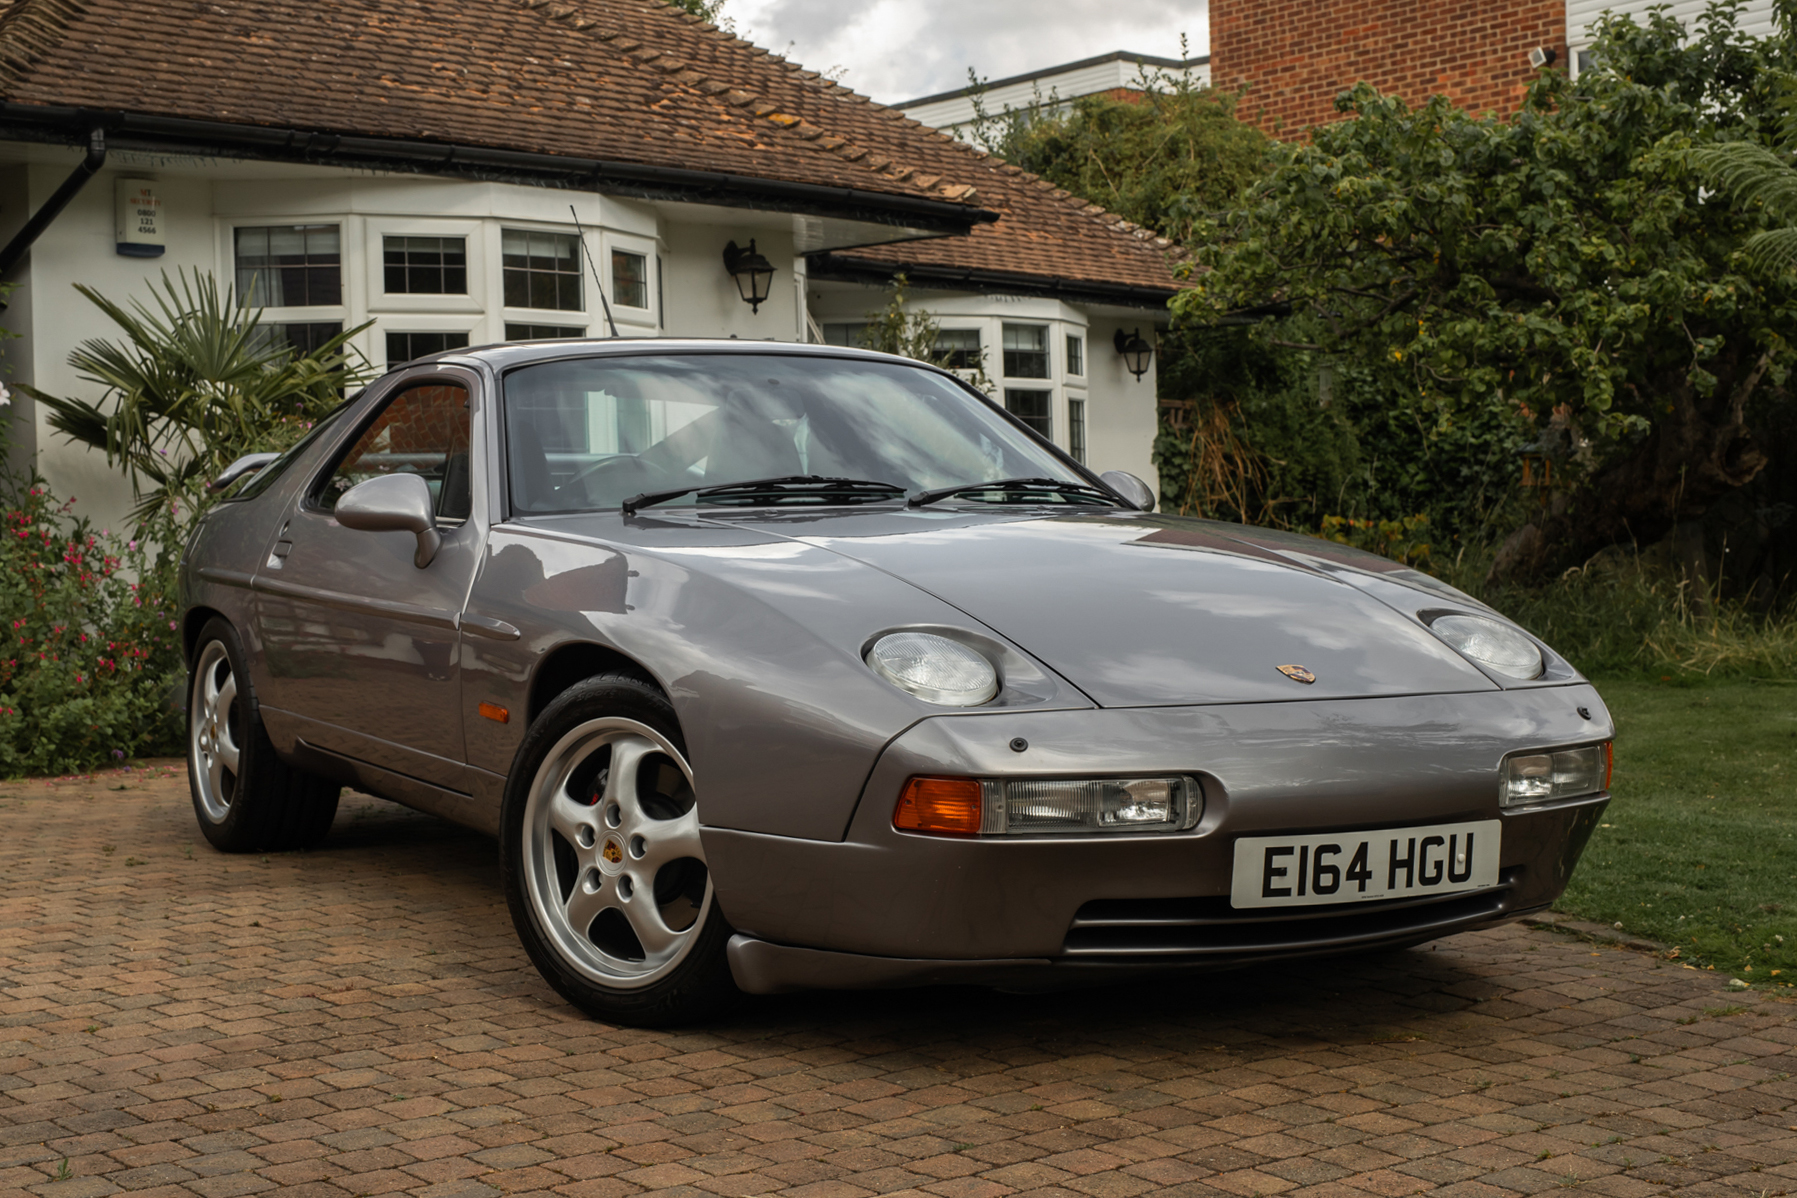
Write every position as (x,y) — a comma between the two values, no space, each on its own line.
(989,807)
(1550,777)
(1100,805)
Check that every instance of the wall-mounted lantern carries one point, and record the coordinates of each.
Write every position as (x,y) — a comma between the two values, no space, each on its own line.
(138,210)
(753,273)
(1541,457)
(1137,353)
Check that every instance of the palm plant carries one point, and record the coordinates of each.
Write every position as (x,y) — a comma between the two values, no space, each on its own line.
(196,382)
(1756,176)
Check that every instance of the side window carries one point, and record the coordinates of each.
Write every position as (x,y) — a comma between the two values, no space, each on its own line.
(424,431)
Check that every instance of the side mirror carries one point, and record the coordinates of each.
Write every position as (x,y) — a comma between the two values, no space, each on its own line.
(249,463)
(1128,488)
(393,503)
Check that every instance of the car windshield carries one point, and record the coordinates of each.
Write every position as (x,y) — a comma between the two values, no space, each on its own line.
(586,434)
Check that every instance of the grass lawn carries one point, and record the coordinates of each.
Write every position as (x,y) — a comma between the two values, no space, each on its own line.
(1699,847)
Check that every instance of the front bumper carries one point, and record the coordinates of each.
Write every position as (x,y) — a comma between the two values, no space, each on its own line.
(884,908)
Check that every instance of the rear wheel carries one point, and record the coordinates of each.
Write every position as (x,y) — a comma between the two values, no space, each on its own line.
(603,863)
(246,798)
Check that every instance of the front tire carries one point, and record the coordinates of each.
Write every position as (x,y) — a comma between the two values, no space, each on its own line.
(247,799)
(602,861)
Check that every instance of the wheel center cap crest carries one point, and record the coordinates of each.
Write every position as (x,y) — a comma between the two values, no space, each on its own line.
(611,852)
(1297,674)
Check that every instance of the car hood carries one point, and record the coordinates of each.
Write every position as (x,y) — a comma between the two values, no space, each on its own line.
(1144,610)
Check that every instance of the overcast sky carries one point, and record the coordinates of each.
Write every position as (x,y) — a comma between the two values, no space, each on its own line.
(896,50)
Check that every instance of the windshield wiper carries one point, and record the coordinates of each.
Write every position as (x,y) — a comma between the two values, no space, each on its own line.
(786,486)
(1017,485)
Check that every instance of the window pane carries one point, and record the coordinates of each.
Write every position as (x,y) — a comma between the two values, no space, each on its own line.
(404,347)
(281,266)
(844,334)
(542,332)
(629,280)
(1076,429)
(423,431)
(1026,351)
(960,348)
(1076,355)
(301,337)
(541,270)
(1031,407)
(425,265)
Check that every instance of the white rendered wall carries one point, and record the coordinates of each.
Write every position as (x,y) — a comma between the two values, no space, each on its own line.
(703,301)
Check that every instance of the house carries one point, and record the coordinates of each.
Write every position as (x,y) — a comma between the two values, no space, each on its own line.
(1294,57)
(1118,75)
(460,172)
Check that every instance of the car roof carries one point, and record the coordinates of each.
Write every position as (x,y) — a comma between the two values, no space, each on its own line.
(503,356)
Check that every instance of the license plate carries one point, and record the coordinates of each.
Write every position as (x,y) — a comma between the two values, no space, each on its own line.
(1356,867)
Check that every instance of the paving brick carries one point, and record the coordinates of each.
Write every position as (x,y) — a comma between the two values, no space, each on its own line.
(376,986)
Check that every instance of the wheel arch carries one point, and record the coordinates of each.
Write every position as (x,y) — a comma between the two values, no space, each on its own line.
(191,624)
(575,662)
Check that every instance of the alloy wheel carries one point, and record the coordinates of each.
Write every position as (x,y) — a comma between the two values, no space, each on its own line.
(613,861)
(214,731)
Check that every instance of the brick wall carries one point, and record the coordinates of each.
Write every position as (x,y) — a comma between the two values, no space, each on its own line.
(1296,56)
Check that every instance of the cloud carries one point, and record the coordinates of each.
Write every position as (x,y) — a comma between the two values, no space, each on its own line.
(897,50)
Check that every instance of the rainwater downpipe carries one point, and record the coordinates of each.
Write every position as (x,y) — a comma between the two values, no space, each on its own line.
(21,243)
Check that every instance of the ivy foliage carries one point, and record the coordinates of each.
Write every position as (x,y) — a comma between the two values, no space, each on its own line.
(1564,267)
(706,10)
(1170,158)
(1272,435)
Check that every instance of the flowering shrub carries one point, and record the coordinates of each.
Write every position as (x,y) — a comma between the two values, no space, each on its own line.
(92,642)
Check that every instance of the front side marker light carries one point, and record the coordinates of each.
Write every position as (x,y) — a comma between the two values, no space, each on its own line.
(934,668)
(940,807)
(1531,778)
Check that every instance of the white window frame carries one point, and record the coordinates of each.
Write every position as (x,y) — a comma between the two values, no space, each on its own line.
(592,315)
(643,248)
(425,322)
(376,229)
(289,313)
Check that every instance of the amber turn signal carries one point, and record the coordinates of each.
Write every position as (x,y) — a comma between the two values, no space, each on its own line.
(939,806)
(494,711)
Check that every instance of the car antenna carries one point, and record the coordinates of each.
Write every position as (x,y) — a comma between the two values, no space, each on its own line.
(597,285)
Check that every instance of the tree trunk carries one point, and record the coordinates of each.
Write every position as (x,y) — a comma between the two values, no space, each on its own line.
(1698,450)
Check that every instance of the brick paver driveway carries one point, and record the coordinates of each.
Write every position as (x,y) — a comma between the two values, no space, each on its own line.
(360,1020)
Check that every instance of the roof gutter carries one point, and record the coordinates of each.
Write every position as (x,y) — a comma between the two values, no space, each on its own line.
(848,269)
(219,139)
(34,228)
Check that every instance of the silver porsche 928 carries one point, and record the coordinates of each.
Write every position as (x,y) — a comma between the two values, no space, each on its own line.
(776,667)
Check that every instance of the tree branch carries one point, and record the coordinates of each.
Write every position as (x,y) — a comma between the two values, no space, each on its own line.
(1739,402)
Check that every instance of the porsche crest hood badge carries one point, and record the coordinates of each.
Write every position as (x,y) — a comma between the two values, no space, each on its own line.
(1297,674)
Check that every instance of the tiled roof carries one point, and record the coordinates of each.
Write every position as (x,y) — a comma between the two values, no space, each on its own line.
(632,81)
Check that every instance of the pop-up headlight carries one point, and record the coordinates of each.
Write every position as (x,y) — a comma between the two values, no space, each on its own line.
(934,668)
(1491,643)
